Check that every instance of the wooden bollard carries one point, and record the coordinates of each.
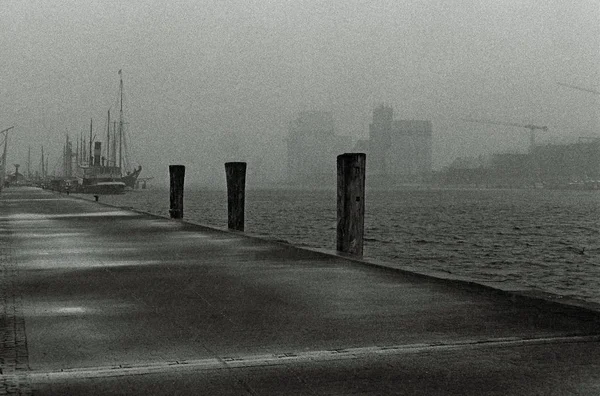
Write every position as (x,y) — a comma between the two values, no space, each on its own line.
(177,175)
(351,202)
(235,173)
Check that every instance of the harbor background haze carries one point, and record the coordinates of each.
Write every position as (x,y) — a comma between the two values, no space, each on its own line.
(209,82)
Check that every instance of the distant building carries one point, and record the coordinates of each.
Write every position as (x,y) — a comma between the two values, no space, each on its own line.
(380,140)
(397,149)
(575,165)
(512,170)
(557,164)
(410,147)
(312,147)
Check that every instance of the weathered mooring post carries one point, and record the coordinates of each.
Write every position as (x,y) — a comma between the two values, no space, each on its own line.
(177,175)
(351,202)
(235,173)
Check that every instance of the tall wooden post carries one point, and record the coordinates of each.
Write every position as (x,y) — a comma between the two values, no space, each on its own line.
(235,173)
(351,202)
(177,174)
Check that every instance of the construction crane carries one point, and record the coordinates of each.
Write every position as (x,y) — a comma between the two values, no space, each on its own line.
(580,88)
(532,128)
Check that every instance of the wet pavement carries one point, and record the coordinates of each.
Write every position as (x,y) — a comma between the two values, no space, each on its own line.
(100,300)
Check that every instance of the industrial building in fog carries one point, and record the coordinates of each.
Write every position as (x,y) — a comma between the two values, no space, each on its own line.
(397,150)
(575,165)
(312,147)
(568,166)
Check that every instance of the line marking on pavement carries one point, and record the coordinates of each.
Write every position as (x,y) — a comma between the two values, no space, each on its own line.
(229,362)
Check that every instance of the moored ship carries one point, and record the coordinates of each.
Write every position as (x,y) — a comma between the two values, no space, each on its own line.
(99,178)
(102,170)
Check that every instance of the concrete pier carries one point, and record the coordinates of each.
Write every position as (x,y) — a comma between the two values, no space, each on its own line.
(99,300)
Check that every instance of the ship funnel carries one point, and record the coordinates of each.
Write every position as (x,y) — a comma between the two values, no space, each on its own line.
(97,153)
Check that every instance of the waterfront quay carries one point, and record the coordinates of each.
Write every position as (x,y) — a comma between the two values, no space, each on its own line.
(101,300)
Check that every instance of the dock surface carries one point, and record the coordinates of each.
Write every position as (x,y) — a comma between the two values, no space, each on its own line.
(99,300)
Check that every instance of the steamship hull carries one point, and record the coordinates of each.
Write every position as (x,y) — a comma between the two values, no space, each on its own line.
(97,179)
(104,188)
(101,178)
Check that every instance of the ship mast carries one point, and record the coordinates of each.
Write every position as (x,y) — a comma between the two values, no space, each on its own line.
(113,153)
(108,140)
(121,119)
(91,138)
(43,168)
(3,166)
(81,145)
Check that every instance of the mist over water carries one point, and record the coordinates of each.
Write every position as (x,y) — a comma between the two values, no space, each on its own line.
(208,81)
(537,238)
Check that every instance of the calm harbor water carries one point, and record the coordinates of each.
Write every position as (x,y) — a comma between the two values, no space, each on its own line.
(543,239)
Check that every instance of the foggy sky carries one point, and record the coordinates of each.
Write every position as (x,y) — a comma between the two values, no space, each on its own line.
(211,81)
